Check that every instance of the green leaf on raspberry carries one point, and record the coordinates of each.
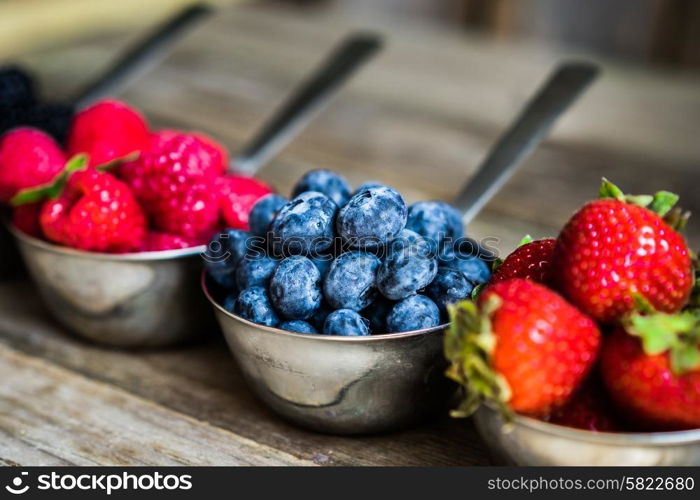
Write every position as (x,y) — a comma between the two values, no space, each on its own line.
(53,189)
(469,343)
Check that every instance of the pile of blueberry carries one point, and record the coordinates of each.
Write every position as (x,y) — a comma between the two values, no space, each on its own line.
(340,263)
(20,105)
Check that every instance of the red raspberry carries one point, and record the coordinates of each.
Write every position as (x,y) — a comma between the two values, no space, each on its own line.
(26,219)
(169,167)
(156,242)
(28,158)
(107,130)
(237,195)
(217,150)
(95,212)
(193,213)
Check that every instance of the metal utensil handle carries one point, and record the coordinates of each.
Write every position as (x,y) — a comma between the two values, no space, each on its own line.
(300,107)
(567,82)
(143,55)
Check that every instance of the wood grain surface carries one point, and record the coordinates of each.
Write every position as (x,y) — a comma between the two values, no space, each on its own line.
(419,118)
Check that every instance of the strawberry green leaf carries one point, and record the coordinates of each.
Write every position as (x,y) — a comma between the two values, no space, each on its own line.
(610,190)
(476,291)
(675,334)
(469,343)
(112,164)
(526,239)
(53,189)
(677,218)
(641,200)
(663,202)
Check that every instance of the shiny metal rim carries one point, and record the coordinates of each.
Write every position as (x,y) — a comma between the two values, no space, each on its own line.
(121,257)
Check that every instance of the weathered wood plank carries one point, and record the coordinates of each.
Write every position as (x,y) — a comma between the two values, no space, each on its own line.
(85,422)
(202,381)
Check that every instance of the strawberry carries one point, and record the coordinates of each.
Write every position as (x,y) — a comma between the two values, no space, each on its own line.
(237,195)
(531,260)
(587,409)
(88,209)
(651,369)
(155,242)
(107,130)
(26,219)
(521,347)
(619,247)
(28,158)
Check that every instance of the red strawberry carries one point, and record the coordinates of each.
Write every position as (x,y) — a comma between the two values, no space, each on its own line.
(587,409)
(238,194)
(613,249)
(531,260)
(156,242)
(107,130)
(26,219)
(522,345)
(654,376)
(28,158)
(95,212)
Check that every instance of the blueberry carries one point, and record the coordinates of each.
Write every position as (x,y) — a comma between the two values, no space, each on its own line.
(449,286)
(345,322)
(298,326)
(333,185)
(319,317)
(16,88)
(367,185)
(372,217)
(408,267)
(254,305)
(263,212)
(305,224)
(350,282)
(435,221)
(413,313)
(474,269)
(223,255)
(295,288)
(255,270)
(322,263)
(377,313)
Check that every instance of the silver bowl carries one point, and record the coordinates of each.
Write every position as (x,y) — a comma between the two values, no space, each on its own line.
(340,385)
(148,299)
(532,442)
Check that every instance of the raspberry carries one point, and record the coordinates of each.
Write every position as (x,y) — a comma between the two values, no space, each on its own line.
(156,241)
(28,158)
(237,195)
(218,151)
(169,167)
(95,212)
(193,213)
(107,130)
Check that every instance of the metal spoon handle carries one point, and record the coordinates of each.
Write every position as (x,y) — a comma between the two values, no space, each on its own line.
(567,82)
(142,56)
(300,107)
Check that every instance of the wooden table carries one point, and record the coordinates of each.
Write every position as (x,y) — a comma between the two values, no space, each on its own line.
(419,118)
